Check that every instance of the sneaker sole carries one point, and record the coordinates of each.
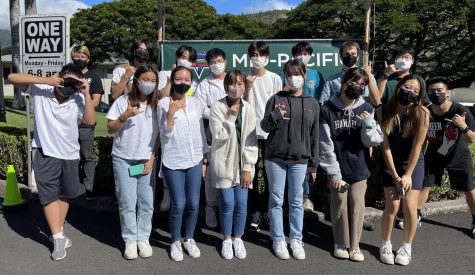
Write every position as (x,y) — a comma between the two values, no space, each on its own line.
(146,255)
(387,262)
(131,258)
(59,259)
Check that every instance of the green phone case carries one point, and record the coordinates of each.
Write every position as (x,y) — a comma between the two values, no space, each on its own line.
(136,170)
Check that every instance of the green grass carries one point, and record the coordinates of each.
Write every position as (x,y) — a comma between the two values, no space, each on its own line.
(17,118)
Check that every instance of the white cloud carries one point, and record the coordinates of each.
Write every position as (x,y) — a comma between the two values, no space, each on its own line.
(43,7)
(267,5)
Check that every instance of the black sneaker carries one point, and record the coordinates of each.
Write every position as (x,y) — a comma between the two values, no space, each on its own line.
(255,221)
(473,230)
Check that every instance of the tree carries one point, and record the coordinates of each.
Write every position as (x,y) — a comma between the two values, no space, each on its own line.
(30,7)
(109,29)
(442,32)
(18,101)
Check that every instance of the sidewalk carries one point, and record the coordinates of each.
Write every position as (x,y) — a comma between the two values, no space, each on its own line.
(104,204)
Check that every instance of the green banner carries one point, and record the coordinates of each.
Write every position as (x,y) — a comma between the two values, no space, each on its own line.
(325,57)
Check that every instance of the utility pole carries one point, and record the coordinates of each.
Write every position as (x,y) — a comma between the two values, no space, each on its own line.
(366,35)
(3,113)
(161,30)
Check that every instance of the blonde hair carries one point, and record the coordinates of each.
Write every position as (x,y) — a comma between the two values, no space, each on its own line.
(80,49)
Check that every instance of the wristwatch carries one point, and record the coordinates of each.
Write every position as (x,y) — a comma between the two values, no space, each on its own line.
(464,131)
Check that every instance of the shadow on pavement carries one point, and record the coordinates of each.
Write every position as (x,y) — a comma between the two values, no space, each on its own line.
(30,223)
(464,230)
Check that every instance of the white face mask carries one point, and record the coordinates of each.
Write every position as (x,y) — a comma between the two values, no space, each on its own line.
(259,62)
(146,88)
(304,58)
(294,82)
(235,93)
(402,64)
(184,62)
(218,68)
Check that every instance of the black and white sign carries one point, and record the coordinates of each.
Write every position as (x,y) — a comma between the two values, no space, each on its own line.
(44,43)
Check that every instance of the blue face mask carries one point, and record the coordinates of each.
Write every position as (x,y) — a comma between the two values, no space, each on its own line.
(146,88)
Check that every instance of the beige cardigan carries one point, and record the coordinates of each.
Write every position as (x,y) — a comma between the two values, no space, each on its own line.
(224,155)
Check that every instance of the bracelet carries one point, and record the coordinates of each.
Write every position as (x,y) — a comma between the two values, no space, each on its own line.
(120,119)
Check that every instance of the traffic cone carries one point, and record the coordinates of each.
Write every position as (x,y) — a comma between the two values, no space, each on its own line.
(12,195)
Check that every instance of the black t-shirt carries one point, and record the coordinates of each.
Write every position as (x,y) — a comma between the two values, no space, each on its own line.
(95,83)
(447,146)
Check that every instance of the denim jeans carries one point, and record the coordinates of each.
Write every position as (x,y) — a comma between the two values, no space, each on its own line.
(87,165)
(135,197)
(295,174)
(233,210)
(184,187)
(307,188)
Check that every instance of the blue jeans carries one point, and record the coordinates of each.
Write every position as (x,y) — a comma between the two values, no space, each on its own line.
(233,210)
(295,174)
(135,197)
(184,186)
(307,187)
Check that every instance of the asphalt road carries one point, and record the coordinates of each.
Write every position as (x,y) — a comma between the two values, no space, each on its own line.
(443,245)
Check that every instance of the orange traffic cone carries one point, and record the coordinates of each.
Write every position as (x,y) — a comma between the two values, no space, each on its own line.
(12,192)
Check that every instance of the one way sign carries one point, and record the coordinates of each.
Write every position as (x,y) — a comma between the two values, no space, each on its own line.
(44,43)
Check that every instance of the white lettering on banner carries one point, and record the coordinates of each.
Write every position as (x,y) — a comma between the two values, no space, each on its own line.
(282,59)
(237,60)
(337,58)
(327,57)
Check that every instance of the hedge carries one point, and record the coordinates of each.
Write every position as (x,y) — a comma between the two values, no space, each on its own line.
(13,150)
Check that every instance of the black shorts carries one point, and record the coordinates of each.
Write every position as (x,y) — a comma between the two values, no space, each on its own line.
(460,179)
(56,178)
(417,175)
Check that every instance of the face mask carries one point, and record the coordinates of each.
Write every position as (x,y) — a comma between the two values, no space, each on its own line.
(437,98)
(68,91)
(235,93)
(349,60)
(402,64)
(294,82)
(304,58)
(141,56)
(258,62)
(184,62)
(405,97)
(217,68)
(354,91)
(146,88)
(181,88)
(80,63)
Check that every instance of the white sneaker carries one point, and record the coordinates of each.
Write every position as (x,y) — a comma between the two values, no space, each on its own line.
(130,251)
(211,220)
(386,253)
(176,252)
(145,250)
(191,248)
(256,220)
(165,204)
(280,249)
(403,256)
(356,255)
(297,249)
(227,249)
(307,204)
(239,249)
(341,252)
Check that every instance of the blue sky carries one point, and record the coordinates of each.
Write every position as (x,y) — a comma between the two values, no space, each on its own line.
(221,6)
(236,7)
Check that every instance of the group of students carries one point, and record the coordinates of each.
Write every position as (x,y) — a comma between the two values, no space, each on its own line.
(241,132)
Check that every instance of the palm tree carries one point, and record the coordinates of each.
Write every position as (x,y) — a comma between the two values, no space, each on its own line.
(19,101)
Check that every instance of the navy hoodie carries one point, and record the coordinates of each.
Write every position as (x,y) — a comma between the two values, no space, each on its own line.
(293,140)
(345,139)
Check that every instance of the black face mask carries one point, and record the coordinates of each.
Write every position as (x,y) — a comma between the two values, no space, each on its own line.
(80,63)
(68,91)
(437,98)
(181,88)
(141,56)
(349,60)
(353,91)
(405,97)
(70,86)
